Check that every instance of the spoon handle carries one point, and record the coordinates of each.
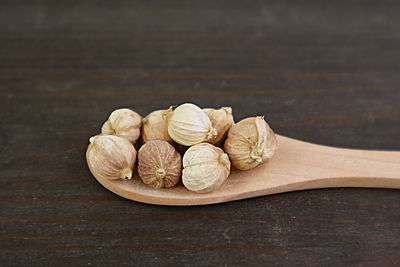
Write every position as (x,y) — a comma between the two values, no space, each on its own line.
(323,166)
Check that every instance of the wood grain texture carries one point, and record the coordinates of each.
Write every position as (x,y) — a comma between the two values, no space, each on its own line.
(322,72)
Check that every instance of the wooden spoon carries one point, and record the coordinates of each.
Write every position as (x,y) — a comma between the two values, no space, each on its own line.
(296,166)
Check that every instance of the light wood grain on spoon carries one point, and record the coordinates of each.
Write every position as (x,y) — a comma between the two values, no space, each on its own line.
(296,165)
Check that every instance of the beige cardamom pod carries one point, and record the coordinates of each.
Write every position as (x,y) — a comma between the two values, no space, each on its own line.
(189,125)
(155,126)
(222,120)
(123,123)
(111,157)
(250,143)
(205,168)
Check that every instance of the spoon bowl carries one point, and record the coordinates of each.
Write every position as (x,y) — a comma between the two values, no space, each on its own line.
(296,166)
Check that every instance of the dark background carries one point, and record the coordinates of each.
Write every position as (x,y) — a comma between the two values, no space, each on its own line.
(327,72)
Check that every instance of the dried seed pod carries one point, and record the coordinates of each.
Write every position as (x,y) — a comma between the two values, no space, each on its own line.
(159,164)
(155,126)
(111,157)
(222,120)
(189,125)
(205,168)
(124,123)
(250,143)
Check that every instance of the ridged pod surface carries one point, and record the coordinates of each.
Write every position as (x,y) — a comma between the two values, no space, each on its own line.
(205,168)
(155,126)
(159,164)
(189,125)
(111,157)
(250,143)
(124,123)
(222,120)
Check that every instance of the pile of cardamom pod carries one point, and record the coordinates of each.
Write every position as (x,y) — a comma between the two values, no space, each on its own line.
(208,139)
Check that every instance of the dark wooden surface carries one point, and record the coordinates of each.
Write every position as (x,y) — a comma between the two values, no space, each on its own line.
(327,72)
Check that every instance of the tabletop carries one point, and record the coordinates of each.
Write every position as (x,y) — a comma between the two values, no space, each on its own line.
(327,72)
